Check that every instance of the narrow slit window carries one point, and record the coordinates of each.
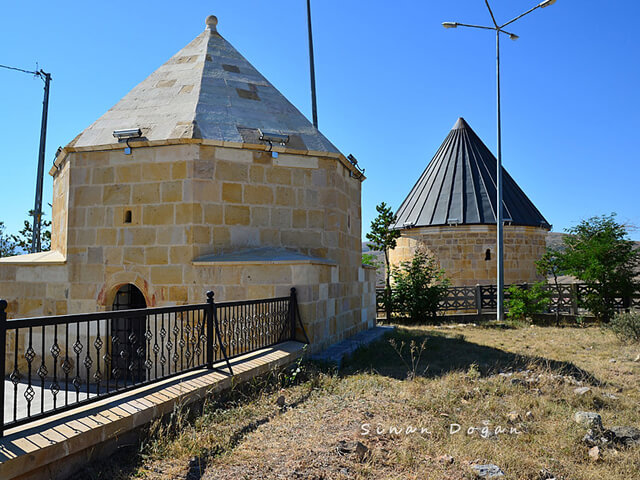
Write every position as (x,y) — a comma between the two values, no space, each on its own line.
(487,254)
(127,216)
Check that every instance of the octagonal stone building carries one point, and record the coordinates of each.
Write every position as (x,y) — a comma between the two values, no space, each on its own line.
(201,200)
(451,211)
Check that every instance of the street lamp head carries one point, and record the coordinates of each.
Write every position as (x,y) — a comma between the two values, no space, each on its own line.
(546,3)
(513,36)
(451,24)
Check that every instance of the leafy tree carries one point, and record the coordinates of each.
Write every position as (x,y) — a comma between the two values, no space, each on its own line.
(419,286)
(384,239)
(369,259)
(600,253)
(25,236)
(551,265)
(524,302)
(7,246)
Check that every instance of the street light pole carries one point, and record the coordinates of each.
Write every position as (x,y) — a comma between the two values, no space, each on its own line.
(499,210)
(312,69)
(499,207)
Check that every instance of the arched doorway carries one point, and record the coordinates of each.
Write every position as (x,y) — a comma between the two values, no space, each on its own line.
(127,337)
(128,297)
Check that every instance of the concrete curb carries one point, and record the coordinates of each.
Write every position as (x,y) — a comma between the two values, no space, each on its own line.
(337,352)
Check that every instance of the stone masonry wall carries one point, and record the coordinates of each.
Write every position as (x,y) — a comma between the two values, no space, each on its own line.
(461,251)
(143,219)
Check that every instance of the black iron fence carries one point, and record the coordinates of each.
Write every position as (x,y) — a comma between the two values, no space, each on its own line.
(56,363)
(566,299)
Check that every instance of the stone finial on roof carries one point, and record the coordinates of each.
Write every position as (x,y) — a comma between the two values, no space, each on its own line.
(212,22)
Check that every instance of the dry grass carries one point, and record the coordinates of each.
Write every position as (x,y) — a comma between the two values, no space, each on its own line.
(457,381)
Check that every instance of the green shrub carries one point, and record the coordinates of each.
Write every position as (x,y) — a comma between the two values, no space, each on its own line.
(524,303)
(419,286)
(627,326)
(600,253)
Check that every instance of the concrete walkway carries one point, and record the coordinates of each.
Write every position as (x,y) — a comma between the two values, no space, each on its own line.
(337,352)
(37,405)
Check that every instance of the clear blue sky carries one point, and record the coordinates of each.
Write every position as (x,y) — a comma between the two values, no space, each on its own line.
(391,83)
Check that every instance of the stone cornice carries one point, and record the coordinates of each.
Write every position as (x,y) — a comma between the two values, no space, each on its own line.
(198,141)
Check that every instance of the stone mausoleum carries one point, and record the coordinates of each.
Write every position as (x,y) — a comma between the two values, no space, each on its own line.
(451,212)
(222,185)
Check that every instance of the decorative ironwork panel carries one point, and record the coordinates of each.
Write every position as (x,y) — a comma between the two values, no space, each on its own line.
(561,298)
(459,298)
(380,300)
(249,326)
(76,359)
(488,295)
(56,363)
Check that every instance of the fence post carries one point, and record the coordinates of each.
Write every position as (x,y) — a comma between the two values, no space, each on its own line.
(626,303)
(3,345)
(574,299)
(210,330)
(295,315)
(292,313)
(479,299)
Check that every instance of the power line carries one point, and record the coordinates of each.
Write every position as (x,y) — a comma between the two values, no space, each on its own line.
(37,209)
(19,69)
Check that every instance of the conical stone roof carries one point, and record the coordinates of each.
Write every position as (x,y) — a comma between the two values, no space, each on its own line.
(206,91)
(459,187)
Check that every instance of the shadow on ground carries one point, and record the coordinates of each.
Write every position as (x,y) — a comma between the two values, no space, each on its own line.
(129,460)
(123,463)
(444,353)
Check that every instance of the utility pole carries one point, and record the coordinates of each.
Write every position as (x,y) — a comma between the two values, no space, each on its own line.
(37,209)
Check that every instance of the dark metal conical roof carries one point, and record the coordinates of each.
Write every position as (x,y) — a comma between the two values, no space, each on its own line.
(459,187)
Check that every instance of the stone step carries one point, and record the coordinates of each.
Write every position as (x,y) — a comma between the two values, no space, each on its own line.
(337,352)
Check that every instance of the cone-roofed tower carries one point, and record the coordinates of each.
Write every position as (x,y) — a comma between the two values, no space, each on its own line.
(459,187)
(207,91)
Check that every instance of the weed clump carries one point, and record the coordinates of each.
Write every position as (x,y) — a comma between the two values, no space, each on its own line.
(412,358)
(626,326)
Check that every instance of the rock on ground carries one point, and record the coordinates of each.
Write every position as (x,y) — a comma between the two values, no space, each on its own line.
(546,475)
(588,419)
(513,417)
(487,471)
(629,436)
(446,459)
(360,449)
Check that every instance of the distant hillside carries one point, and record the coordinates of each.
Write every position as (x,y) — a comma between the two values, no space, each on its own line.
(555,239)
(379,259)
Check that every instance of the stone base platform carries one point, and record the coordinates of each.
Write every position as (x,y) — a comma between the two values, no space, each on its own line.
(55,447)
(337,352)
